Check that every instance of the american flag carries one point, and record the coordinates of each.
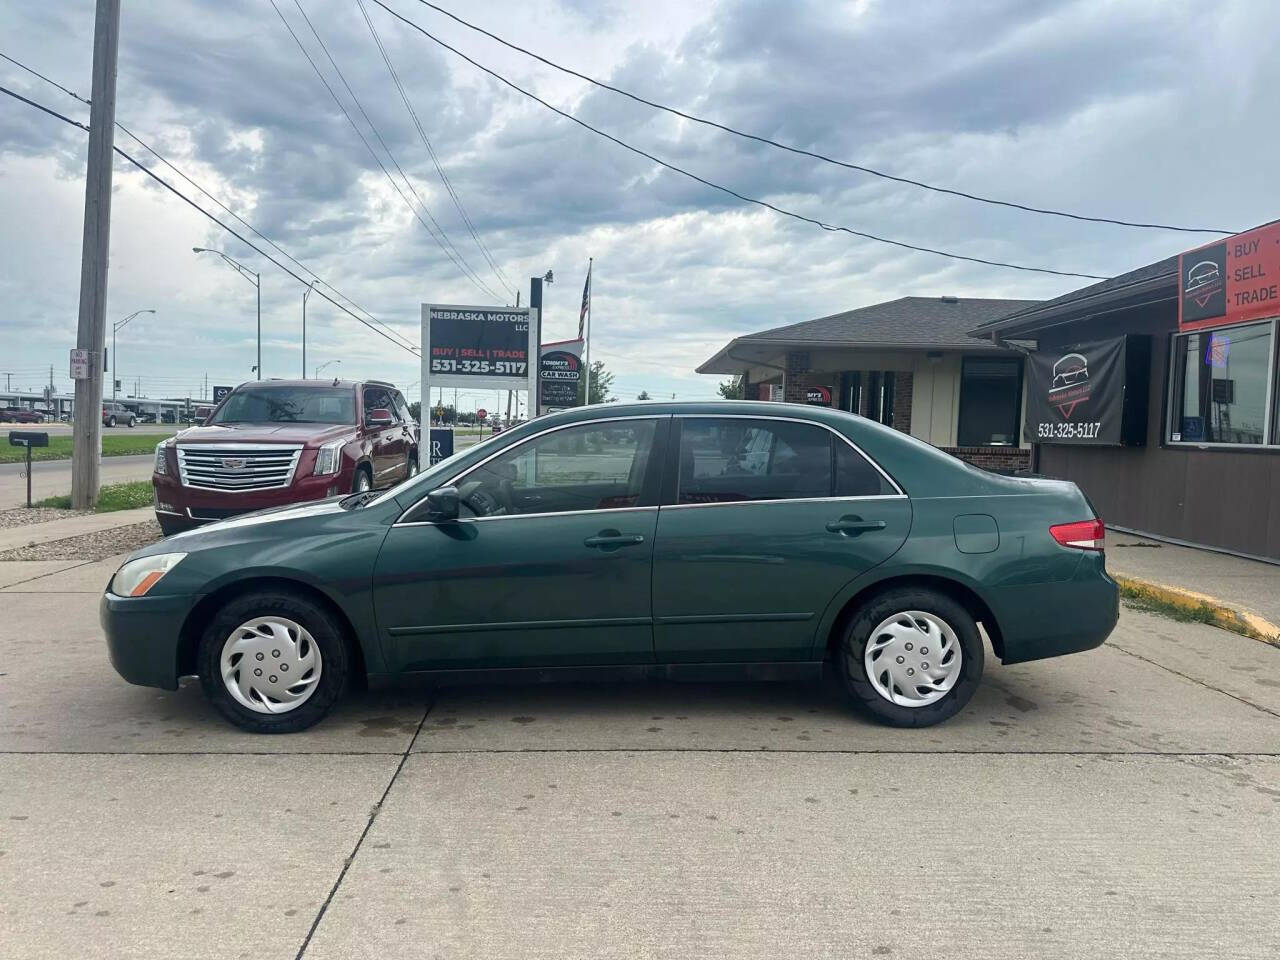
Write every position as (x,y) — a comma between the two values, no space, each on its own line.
(586,302)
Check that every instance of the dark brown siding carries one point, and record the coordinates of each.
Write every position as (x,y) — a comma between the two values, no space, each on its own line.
(1228,499)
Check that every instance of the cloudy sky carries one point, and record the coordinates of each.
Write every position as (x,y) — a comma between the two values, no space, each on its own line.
(1152,111)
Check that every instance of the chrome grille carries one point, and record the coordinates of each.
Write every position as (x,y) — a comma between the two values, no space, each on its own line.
(237,467)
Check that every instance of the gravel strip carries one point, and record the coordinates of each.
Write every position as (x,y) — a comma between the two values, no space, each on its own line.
(20,516)
(90,546)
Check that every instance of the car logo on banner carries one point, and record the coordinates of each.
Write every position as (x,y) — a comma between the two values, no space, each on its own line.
(1070,386)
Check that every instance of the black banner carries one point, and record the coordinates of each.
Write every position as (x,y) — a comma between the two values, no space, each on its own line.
(559,375)
(480,342)
(1075,395)
(441,445)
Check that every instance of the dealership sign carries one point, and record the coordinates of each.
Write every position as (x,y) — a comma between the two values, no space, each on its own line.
(560,371)
(1230,281)
(1076,395)
(478,347)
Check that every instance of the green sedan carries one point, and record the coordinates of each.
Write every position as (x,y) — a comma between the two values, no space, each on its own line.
(676,540)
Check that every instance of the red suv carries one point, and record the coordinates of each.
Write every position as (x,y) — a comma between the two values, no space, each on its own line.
(277,442)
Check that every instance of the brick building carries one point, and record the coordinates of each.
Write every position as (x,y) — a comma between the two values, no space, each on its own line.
(909,363)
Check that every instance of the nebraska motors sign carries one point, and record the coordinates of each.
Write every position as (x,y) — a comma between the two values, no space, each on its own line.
(1230,281)
(1076,395)
(478,347)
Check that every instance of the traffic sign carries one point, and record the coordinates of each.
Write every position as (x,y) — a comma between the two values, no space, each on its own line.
(482,414)
(79,364)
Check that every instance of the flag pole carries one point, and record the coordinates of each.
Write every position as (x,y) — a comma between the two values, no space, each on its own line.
(586,397)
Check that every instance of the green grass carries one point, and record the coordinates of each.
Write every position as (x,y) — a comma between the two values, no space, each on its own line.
(59,448)
(116,496)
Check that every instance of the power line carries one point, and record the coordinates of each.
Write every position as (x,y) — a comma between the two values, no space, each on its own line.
(442,240)
(809,153)
(457,201)
(834,228)
(152,150)
(182,196)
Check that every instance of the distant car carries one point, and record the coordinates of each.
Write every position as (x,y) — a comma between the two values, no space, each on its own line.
(619,537)
(114,412)
(201,414)
(276,442)
(20,415)
(144,417)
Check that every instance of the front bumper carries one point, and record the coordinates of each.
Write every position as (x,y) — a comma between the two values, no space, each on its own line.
(144,636)
(193,507)
(1053,619)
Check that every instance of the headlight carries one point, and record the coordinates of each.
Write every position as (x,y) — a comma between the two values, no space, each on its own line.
(329,457)
(136,577)
(162,464)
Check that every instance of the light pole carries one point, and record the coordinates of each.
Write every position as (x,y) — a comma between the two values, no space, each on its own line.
(252,277)
(323,365)
(311,287)
(115,363)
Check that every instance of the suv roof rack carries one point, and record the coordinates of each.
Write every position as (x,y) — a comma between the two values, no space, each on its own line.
(381,383)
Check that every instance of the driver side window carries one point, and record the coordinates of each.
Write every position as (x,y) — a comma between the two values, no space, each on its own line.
(585,467)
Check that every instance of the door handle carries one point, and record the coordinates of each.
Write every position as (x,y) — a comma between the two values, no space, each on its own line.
(852,526)
(613,540)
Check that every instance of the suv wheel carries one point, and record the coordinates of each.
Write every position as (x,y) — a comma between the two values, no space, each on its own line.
(411,466)
(111,421)
(912,657)
(130,422)
(273,662)
(362,481)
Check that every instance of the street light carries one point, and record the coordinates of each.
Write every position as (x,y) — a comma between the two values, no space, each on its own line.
(252,277)
(311,288)
(115,363)
(323,365)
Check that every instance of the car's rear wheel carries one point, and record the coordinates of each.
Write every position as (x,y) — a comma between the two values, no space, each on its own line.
(273,662)
(129,423)
(362,481)
(912,657)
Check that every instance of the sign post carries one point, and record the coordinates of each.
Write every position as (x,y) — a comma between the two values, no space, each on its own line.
(28,439)
(485,348)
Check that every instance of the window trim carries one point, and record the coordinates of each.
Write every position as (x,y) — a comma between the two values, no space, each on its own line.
(671,491)
(1269,426)
(658,440)
(1017,404)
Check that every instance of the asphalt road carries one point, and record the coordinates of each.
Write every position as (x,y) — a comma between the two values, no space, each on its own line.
(53,477)
(1119,803)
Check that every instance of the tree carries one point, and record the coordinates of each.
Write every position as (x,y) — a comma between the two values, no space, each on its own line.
(643,395)
(415,410)
(731,389)
(601,384)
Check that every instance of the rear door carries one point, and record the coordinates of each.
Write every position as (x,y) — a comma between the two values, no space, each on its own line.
(763,521)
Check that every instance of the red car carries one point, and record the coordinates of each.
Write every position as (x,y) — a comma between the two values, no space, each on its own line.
(20,415)
(277,442)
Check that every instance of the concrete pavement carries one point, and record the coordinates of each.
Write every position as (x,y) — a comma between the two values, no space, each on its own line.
(74,525)
(1120,803)
(53,477)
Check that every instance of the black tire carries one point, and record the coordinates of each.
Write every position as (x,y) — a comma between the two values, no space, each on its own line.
(129,423)
(850,656)
(366,473)
(169,524)
(111,421)
(324,631)
(411,465)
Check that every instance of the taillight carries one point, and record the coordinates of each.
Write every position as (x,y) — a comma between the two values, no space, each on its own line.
(1084,535)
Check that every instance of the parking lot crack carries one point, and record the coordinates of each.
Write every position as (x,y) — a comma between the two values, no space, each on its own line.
(373,815)
(1198,682)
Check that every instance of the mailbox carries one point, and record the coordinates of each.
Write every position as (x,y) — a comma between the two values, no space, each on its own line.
(28,438)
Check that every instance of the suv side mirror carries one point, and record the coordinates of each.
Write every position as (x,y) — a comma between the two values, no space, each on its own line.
(379,417)
(442,503)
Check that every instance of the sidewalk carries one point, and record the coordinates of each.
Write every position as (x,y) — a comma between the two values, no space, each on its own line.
(1248,587)
(74,526)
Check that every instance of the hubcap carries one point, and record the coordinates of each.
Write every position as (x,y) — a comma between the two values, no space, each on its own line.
(270,665)
(913,658)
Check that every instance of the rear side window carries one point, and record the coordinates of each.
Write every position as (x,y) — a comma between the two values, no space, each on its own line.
(738,460)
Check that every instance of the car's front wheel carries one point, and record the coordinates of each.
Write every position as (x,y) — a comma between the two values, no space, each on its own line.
(362,481)
(912,657)
(411,466)
(111,421)
(273,662)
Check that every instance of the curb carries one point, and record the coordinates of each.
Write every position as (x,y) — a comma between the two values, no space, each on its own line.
(1200,606)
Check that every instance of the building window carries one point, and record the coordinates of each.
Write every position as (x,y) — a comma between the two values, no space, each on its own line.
(1222,382)
(990,402)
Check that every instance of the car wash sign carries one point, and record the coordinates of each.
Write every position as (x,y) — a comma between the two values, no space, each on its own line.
(559,375)
(1075,395)
(1230,281)
(478,347)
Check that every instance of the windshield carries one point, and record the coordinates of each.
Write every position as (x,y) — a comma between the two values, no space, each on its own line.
(289,404)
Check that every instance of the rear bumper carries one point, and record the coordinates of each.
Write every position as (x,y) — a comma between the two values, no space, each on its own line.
(187,506)
(144,635)
(1053,619)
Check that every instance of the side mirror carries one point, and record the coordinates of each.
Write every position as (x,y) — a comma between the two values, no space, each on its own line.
(442,503)
(379,417)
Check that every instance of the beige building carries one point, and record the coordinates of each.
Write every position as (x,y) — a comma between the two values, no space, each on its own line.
(909,363)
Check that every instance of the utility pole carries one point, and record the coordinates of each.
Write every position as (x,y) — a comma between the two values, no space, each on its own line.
(310,288)
(91,332)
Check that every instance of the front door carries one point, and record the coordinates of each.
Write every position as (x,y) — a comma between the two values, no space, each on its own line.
(389,451)
(766,521)
(549,565)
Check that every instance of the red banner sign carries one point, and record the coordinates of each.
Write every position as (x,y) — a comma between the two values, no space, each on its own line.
(1230,281)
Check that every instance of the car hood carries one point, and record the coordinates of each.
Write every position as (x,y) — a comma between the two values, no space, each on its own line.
(312,433)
